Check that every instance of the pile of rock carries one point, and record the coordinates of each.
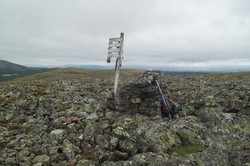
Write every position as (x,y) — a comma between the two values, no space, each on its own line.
(140,96)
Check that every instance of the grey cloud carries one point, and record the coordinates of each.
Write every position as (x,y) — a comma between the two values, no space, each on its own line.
(157,32)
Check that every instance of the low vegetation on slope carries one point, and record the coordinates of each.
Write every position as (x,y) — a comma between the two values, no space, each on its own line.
(76,73)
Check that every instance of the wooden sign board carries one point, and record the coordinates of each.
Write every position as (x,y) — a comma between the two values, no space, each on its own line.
(114,48)
(114,45)
(111,40)
(111,50)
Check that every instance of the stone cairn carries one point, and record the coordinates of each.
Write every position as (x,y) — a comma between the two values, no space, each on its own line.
(139,96)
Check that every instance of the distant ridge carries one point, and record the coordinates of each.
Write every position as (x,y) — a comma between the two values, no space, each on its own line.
(182,72)
(10,71)
(9,66)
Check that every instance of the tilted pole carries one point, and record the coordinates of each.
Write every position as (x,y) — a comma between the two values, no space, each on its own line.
(116,50)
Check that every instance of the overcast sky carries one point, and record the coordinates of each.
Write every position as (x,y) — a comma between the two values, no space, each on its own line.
(184,34)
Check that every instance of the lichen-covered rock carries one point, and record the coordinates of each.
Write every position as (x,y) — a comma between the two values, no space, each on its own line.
(43,159)
(189,130)
(160,138)
(120,132)
(11,161)
(142,145)
(103,141)
(86,163)
(90,132)
(57,132)
(128,146)
(23,154)
(113,142)
(69,149)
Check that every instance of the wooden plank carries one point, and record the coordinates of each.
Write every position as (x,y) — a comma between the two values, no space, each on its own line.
(115,40)
(113,55)
(114,50)
(114,44)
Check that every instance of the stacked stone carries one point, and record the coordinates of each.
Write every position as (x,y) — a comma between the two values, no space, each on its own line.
(140,96)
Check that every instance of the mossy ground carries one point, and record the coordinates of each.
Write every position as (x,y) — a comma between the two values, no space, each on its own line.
(187,149)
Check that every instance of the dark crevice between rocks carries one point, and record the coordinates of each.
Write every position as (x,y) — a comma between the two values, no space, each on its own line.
(232,111)
(199,105)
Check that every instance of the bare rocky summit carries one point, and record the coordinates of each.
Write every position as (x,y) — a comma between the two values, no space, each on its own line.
(68,117)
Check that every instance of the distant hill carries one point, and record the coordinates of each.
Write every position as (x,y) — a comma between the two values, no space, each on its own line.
(8,67)
(10,71)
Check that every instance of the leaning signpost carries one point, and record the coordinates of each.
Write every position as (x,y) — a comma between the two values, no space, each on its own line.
(115,50)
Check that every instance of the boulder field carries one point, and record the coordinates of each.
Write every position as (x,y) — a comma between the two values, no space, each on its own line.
(72,121)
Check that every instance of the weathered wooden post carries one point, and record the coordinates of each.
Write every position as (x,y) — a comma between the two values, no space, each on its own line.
(115,50)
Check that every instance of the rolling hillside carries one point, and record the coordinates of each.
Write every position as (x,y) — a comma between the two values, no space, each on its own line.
(10,71)
(8,67)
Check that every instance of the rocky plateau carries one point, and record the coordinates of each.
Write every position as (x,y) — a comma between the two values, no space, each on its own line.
(69,117)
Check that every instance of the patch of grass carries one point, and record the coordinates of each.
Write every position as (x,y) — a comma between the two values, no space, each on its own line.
(187,149)
(79,74)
